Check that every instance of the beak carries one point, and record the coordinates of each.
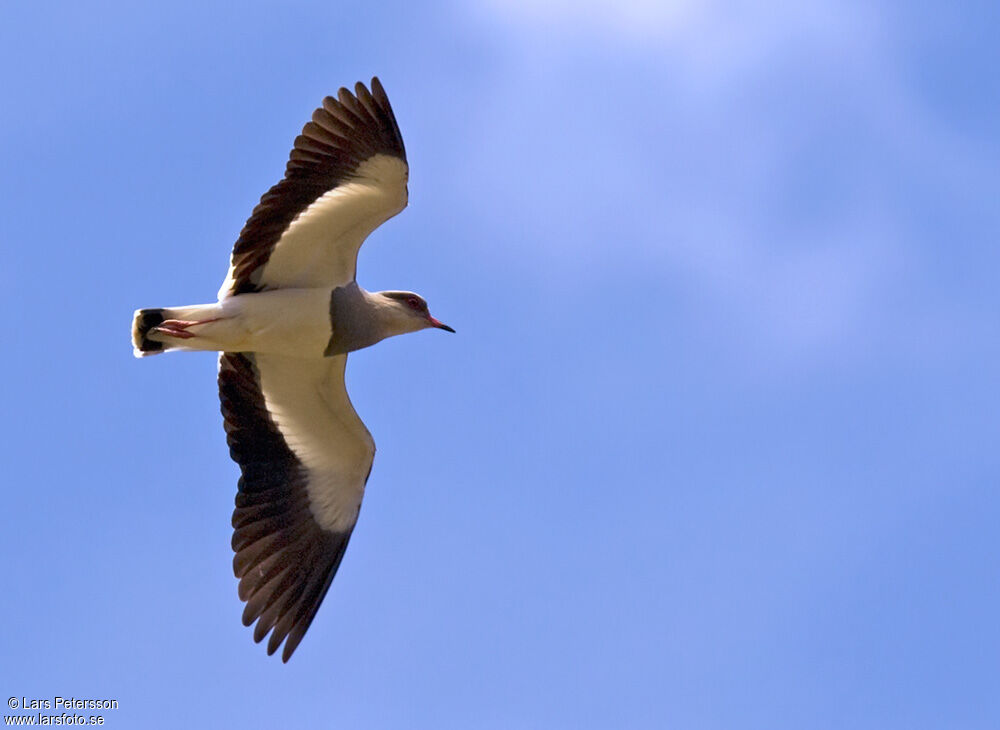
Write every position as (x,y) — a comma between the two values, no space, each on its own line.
(439,325)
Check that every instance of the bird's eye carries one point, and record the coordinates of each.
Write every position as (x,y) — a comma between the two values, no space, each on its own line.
(414,303)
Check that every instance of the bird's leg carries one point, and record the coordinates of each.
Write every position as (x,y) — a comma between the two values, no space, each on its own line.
(179,327)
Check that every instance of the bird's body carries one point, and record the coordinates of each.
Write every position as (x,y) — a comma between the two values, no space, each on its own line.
(314,322)
(293,322)
(287,314)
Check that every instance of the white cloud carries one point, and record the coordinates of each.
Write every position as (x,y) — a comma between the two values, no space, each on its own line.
(706,38)
(761,152)
(638,19)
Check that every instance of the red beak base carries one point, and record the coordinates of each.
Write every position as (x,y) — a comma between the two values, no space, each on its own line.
(439,325)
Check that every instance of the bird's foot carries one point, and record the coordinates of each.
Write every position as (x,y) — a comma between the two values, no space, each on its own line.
(179,327)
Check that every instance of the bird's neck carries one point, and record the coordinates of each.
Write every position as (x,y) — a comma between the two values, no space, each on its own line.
(359,319)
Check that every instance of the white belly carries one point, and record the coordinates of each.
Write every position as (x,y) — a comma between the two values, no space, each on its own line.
(292,322)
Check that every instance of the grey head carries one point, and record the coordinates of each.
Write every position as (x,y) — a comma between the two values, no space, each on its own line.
(359,319)
(407,312)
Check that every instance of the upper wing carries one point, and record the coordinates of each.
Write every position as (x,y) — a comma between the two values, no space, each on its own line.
(346,175)
(305,457)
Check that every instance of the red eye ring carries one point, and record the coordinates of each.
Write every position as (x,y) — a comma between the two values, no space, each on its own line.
(414,303)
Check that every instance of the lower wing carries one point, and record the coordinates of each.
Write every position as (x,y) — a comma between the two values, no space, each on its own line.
(305,457)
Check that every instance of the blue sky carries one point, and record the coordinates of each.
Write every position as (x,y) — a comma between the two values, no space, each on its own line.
(715,445)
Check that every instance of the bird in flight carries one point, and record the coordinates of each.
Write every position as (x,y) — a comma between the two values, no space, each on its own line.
(287,314)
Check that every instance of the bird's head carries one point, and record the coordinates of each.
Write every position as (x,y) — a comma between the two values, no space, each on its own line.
(407,312)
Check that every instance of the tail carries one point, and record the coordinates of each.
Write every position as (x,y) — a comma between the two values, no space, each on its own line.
(159,330)
(143,321)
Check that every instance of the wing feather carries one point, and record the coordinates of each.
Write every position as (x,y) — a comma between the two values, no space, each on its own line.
(304,456)
(346,175)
